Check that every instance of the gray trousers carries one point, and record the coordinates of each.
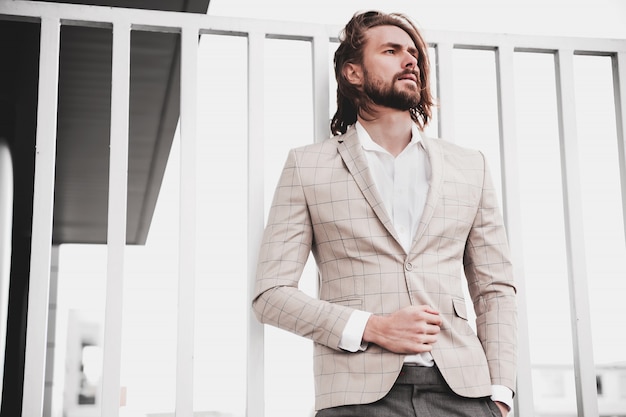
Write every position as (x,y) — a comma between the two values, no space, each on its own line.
(418,392)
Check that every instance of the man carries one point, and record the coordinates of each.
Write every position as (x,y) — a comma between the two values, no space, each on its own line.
(392,219)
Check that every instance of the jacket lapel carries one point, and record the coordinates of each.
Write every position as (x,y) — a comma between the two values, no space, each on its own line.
(435,157)
(353,156)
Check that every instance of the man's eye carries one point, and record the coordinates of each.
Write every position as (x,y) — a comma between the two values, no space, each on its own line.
(390,51)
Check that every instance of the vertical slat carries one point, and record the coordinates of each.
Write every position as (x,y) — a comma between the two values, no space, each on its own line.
(43,203)
(255,389)
(187,255)
(619,86)
(321,94)
(445,90)
(116,231)
(513,218)
(53,345)
(6,228)
(579,304)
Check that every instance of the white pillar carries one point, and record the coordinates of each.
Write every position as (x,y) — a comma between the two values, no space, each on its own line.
(6,230)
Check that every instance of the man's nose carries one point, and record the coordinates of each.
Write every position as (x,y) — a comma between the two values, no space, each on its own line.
(410,61)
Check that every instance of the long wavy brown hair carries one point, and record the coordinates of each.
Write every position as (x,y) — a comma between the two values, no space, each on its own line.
(352,100)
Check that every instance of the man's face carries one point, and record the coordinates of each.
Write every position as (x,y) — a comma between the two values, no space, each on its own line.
(390,71)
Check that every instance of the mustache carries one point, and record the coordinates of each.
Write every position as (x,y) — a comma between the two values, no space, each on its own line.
(414,72)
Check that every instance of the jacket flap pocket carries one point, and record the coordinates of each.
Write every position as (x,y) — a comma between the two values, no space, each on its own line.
(460,308)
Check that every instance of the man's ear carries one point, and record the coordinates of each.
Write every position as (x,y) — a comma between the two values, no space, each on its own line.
(353,73)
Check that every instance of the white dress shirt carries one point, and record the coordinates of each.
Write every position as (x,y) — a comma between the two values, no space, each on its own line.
(402,183)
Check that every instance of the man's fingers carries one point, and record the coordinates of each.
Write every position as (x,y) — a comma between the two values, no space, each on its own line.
(434,320)
(430,310)
(427,328)
(433,329)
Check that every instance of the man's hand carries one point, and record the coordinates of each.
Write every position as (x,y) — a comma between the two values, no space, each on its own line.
(410,330)
(504,410)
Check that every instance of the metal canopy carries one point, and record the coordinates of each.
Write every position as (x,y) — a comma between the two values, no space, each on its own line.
(83,131)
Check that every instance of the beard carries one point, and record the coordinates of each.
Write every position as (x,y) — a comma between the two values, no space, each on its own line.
(390,95)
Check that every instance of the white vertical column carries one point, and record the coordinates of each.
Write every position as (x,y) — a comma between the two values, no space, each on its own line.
(187,246)
(579,303)
(445,90)
(321,98)
(6,237)
(510,178)
(51,367)
(619,86)
(116,231)
(43,204)
(255,381)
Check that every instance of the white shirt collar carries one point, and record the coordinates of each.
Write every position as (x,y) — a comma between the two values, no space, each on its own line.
(369,145)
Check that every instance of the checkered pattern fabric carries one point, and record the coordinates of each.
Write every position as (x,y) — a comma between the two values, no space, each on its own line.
(326,204)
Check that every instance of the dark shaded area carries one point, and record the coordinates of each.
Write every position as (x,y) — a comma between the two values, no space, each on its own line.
(190,6)
(19,70)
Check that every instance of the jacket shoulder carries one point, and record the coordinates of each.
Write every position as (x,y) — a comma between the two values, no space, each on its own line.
(451,147)
(325,147)
(320,153)
(456,154)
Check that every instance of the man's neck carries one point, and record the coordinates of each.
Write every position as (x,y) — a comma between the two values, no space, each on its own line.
(389,129)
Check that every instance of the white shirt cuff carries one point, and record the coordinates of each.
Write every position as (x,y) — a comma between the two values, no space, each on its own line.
(352,336)
(502,394)
(352,341)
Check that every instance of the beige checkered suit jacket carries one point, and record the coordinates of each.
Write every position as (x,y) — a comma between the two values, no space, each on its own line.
(326,203)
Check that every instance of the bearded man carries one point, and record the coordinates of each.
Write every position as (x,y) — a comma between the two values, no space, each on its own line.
(397,222)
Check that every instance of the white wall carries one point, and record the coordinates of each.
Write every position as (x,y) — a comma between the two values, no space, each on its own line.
(588,18)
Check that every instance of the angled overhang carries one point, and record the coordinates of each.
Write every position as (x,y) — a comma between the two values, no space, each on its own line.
(84,115)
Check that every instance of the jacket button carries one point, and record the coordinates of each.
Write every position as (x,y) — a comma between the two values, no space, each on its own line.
(408,266)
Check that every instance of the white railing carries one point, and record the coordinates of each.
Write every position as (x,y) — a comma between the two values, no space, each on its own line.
(123,21)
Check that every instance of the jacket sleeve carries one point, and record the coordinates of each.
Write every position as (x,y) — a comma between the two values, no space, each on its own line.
(489,275)
(284,250)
